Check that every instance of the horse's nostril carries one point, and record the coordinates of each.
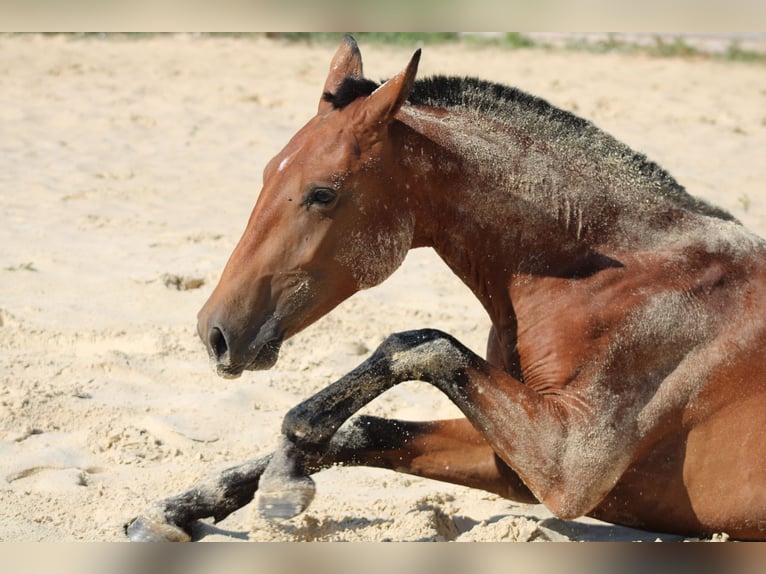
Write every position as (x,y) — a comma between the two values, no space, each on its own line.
(217,343)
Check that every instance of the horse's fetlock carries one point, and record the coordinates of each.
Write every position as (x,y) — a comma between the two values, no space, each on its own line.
(297,428)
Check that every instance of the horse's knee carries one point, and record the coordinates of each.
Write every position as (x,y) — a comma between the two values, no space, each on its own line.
(427,354)
(408,340)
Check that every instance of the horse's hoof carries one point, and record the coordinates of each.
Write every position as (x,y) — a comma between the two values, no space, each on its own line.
(284,489)
(285,497)
(143,529)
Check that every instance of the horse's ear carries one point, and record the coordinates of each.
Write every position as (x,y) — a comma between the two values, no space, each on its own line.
(381,106)
(346,62)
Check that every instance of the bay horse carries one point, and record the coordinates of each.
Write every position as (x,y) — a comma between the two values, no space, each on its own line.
(625,373)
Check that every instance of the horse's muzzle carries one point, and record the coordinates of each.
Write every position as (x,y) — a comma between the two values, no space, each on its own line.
(229,361)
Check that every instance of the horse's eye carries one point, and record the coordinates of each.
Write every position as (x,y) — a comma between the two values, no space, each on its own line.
(322,196)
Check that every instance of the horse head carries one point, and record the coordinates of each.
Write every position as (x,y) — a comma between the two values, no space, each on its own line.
(326,224)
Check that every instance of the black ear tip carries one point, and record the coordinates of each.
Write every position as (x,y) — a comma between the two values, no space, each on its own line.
(349,39)
(415,58)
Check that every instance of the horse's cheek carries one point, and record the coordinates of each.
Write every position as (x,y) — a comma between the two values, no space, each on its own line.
(372,256)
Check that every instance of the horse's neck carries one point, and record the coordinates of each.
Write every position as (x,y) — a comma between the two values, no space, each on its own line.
(498,202)
(496,194)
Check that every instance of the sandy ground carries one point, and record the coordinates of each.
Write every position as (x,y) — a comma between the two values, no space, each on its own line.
(127,172)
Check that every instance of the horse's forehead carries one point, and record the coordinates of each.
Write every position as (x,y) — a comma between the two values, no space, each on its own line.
(312,144)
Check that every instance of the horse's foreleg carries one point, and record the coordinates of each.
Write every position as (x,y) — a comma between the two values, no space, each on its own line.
(446,450)
(451,451)
(530,432)
(218,495)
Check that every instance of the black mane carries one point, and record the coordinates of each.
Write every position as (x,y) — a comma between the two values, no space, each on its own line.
(349,90)
(506,103)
